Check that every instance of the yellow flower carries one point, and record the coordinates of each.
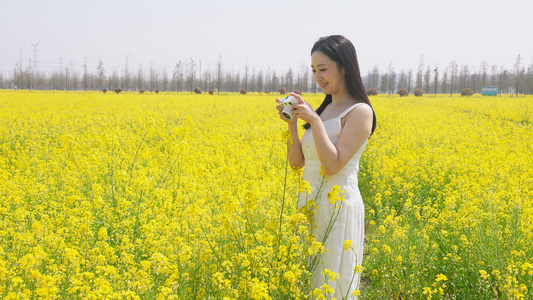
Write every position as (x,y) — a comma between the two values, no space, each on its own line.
(441,277)
(287,136)
(328,290)
(347,244)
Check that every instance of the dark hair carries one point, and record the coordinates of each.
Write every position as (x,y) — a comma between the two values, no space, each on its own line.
(340,50)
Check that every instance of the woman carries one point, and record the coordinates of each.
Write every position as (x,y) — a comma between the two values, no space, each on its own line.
(335,137)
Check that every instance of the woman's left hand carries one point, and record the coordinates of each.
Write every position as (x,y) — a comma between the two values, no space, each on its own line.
(303,110)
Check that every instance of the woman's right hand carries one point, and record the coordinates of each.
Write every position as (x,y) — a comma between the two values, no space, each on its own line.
(280,109)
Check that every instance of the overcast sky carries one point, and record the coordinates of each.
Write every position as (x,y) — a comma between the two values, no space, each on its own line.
(268,33)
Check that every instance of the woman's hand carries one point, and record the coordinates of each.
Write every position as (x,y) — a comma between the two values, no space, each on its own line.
(303,110)
(280,109)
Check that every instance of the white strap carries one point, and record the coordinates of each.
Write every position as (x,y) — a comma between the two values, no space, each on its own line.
(348,110)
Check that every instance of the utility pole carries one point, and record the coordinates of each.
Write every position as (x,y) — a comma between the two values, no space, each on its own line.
(66,80)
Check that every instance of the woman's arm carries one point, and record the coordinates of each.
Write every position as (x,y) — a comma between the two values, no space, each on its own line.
(357,128)
(296,156)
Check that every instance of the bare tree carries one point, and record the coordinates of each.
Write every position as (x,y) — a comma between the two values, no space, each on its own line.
(289,80)
(427,76)
(101,74)
(177,75)
(502,80)
(140,78)
(375,76)
(419,73)
(164,79)
(445,81)
(517,72)
(127,83)
(192,74)
(530,79)
(436,79)
(409,77)
(260,81)
(219,74)
(85,73)
(384,82)
(483,68)
(245,79)
(453,75)
(392,78)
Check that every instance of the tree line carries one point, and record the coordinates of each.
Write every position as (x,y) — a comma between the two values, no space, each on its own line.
(188,75)
(453,78)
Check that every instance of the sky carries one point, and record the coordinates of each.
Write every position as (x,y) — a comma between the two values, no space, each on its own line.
(275,34)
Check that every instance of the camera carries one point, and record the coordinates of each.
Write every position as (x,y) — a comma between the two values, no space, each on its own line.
(286,103)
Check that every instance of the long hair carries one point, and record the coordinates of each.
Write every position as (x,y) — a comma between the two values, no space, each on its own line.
(340,50)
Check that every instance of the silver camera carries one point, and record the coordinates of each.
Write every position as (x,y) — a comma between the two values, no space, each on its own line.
(286,103)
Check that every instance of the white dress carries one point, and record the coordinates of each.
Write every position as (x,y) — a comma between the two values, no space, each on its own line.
(350,222)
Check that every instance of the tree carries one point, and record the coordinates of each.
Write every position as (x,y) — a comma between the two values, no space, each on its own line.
(419,73)
(409,77)
(274,82)
(427,79)
(101,74)
(140,78)
(392,79)
(192,74)
(517,73)
(494,75)
(289,79)
(384,83)
(529,79)
(445,81)
(483,69)
(402,80)
(164,81)
(502,80)
(453,75)
(260,81)
(375,76)
(245,78)
(436,79)
(177,75)
(152,78)
(219,73)
(85,73)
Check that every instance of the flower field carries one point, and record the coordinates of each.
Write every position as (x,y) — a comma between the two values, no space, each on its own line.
(180,196)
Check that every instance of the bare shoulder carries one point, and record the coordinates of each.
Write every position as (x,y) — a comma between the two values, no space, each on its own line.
(359,119)
(361,112)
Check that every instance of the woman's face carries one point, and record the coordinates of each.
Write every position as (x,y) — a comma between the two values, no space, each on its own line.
(327,74)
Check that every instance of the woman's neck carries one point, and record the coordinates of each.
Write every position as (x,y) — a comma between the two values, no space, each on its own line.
(342,97)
